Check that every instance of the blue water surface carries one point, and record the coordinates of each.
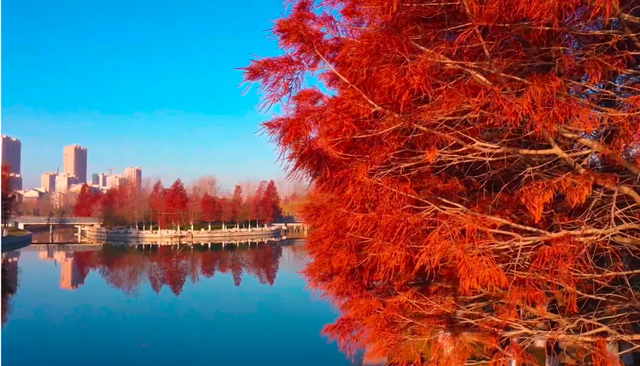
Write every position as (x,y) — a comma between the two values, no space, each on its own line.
(224,307)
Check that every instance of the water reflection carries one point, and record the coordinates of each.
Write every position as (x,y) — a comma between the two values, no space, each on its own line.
(127,268)
(71,274)
(9,281)
(165,306)
(55,234)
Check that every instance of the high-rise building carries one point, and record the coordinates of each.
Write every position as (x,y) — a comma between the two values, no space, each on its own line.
(95,179)
(11,150)
(134,176)
(15,181)
(115,181)
(103,180)
(75,162)
(48,182)
(64,181)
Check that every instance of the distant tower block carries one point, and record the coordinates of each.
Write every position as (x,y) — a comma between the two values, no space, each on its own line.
(11,150)
(134,176)
(48,182)
(75,162)
(103,180)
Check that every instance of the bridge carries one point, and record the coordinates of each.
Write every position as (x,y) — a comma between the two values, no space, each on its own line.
(22,221)
(292,226)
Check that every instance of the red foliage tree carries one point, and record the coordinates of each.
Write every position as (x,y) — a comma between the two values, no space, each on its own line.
(224,211)
(114,207)
(209,208)
(245,212)
(270,203)
(194,206)
(236,204)
(156,203)
(176,201)
(86,202)
(257,208)
(474,168)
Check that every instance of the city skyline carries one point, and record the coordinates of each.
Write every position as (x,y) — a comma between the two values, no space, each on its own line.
(75,173)
(132,102)
(37,180)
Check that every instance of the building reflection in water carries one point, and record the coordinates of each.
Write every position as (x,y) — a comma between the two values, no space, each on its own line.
(127,268)
(9,281)
(58,234)
(71,276)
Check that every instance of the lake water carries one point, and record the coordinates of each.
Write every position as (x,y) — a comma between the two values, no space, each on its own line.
(114,306)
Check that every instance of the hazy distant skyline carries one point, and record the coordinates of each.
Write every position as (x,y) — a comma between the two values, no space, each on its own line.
(150,84)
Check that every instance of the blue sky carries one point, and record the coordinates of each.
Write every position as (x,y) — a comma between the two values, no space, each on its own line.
(139,83)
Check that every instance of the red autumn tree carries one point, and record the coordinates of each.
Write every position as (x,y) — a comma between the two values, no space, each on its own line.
(224,211)
(270,203)
(194,205)
(474,168)
(236,204)
(257,208)
(176,201)
(108,211)
(86,202)
(245,212)
(156,203)
(209,208)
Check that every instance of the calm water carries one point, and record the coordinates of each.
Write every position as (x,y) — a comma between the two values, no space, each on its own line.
(166,307)
(59,234)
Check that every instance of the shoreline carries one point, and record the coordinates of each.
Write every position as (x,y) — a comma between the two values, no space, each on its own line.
(134,237)
(10,243)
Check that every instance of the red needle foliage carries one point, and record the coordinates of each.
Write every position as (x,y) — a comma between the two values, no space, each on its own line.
(236,203)
(474,168)
(209,208)
(271,203)
(176,201)
(86,202)
(156,204)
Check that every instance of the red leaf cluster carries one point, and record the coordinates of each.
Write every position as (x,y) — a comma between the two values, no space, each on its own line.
(474,171)
(87,201)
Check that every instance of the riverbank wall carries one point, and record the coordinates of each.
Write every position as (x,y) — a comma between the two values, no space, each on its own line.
(171,237)
(10,243)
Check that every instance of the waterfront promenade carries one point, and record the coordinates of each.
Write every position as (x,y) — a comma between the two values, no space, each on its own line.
(170,237)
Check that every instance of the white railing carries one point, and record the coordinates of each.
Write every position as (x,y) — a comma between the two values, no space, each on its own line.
(54,220)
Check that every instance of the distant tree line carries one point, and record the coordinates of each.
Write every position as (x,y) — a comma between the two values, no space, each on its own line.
(179,207)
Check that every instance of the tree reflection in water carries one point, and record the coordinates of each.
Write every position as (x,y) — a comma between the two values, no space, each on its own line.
(127,268)
(9,281)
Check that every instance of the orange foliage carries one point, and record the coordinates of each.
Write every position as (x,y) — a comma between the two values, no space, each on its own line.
(474,170)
